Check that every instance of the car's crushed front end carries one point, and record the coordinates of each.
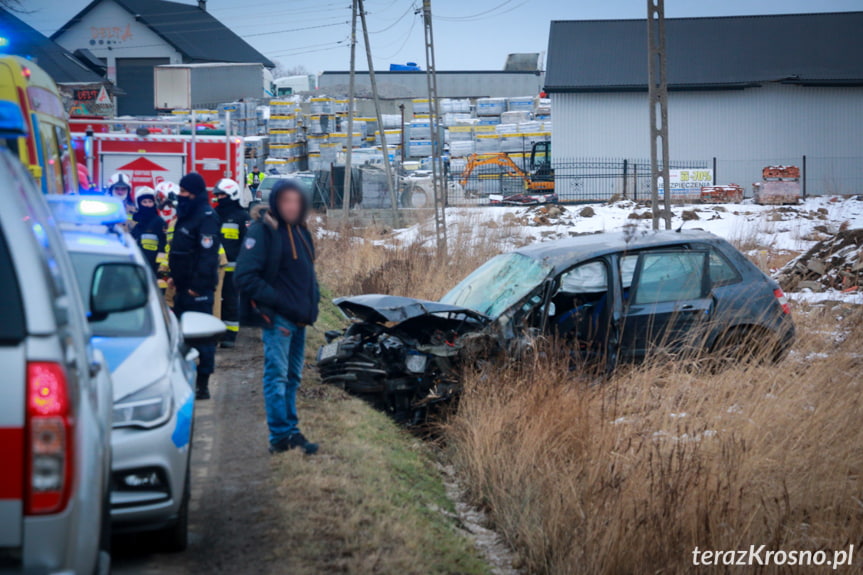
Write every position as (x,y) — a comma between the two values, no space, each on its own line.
(399,351)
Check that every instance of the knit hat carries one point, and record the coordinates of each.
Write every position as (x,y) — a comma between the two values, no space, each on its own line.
(194,183)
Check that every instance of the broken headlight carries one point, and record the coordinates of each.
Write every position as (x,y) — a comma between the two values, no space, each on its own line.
(416,363)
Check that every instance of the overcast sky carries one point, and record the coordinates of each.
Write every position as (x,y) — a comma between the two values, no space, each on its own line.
(474,34)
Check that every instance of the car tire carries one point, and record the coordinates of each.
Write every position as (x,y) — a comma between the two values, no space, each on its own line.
(416,197)
(175,538)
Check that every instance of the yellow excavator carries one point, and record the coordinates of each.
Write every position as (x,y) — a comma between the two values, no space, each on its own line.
(538,183)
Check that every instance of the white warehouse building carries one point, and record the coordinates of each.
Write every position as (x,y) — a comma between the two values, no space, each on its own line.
(744,92)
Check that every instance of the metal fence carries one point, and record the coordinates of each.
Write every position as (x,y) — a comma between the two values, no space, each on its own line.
(575,181)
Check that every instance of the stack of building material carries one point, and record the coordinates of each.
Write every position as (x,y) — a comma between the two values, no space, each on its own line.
(322,105)
(314,141)
(455,106)
(515,117)
(283,132)
(421,106)
(394,137)
(490,106)
(522,104)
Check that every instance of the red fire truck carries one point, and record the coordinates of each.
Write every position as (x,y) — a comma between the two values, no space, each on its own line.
(149,153)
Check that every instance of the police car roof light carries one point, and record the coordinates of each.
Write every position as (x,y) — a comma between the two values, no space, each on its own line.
(87,210)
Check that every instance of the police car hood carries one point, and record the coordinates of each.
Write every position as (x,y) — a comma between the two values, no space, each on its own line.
(135,362)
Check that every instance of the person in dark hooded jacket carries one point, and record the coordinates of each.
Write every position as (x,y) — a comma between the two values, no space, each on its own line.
(279,292)
(194,263)
(149,230)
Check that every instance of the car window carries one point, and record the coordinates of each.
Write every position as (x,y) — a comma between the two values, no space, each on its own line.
(721,271)
(13,327)
(627,269)
(667,276)
(498,284)
(135,323)
(591,277)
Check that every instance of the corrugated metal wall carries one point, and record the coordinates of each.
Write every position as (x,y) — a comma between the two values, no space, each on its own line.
(450,84)
(744,130)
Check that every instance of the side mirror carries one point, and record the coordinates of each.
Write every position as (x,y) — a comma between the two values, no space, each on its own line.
(117,287)
(200,327)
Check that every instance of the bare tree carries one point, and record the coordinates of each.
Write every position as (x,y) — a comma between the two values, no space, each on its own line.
(278,72)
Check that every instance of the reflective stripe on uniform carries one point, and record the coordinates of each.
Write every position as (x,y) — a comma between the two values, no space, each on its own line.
(231,266)
(231,231)
(231,325)
(150,242)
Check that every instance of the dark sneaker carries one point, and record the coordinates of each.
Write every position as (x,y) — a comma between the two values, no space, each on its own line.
(299,440)
(203,392)
(229,340)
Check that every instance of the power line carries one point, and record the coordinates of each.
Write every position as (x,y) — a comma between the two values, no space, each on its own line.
(410,9)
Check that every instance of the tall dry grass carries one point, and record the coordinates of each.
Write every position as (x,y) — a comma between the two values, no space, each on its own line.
(629,474)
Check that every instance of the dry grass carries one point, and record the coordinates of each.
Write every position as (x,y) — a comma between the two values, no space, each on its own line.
(630,474)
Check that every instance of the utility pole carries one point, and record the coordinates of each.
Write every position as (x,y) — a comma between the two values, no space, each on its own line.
(387,168)
(437,167)
(346,195)
(658,96)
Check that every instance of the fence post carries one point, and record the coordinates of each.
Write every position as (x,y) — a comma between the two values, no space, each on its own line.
(804,176)
(625,176)
(714,170)
(635,182)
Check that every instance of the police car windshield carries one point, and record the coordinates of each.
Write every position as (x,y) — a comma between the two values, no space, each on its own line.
(136,323)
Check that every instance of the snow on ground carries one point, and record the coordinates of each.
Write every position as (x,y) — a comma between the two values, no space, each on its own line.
(757,230)
(778,228)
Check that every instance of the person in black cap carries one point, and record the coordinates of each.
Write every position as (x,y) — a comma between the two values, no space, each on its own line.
(279,293)
(194,263)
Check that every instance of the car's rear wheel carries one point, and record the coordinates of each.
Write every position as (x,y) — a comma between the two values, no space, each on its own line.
(175,538)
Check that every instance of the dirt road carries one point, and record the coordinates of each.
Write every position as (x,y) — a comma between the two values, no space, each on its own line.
(372,500)
(232,515)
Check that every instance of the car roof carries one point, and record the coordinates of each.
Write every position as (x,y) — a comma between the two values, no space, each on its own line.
(98,240)
(567,252)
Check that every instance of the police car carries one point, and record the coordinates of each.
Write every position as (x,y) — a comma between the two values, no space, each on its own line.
(153,372)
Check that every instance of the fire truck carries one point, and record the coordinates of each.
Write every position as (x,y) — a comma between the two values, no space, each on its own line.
(154,151)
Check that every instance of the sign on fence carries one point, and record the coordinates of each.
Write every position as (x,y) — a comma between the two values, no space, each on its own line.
(686,184)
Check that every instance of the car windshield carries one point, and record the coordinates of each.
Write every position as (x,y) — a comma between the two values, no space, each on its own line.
(498,284)
(135,323)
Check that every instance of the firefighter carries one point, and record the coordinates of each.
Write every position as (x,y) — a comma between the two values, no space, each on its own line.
(166,202)
(254,179)
(120,187)
(194,263)
(149,230)
(235,220)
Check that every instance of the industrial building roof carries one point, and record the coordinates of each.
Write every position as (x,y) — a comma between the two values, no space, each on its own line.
(708,53)
(190,29)
(58,62)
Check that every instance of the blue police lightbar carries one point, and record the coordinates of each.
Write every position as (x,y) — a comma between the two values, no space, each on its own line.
(87,210)
(12,120)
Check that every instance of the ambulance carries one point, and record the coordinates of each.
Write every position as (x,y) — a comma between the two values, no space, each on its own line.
(46,150)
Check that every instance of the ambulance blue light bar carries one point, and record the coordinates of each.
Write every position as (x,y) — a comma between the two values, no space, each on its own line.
(87,210)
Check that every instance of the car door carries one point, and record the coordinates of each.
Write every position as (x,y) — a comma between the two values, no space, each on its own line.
(668,303)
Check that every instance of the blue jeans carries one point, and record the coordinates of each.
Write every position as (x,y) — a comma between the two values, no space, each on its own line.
(284,349)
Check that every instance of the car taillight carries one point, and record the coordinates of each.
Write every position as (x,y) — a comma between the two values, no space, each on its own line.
(783,301)
(49,439)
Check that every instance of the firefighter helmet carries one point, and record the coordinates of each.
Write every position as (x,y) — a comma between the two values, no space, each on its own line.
(228,187)
(144,192)
(166,198)
(120,179)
